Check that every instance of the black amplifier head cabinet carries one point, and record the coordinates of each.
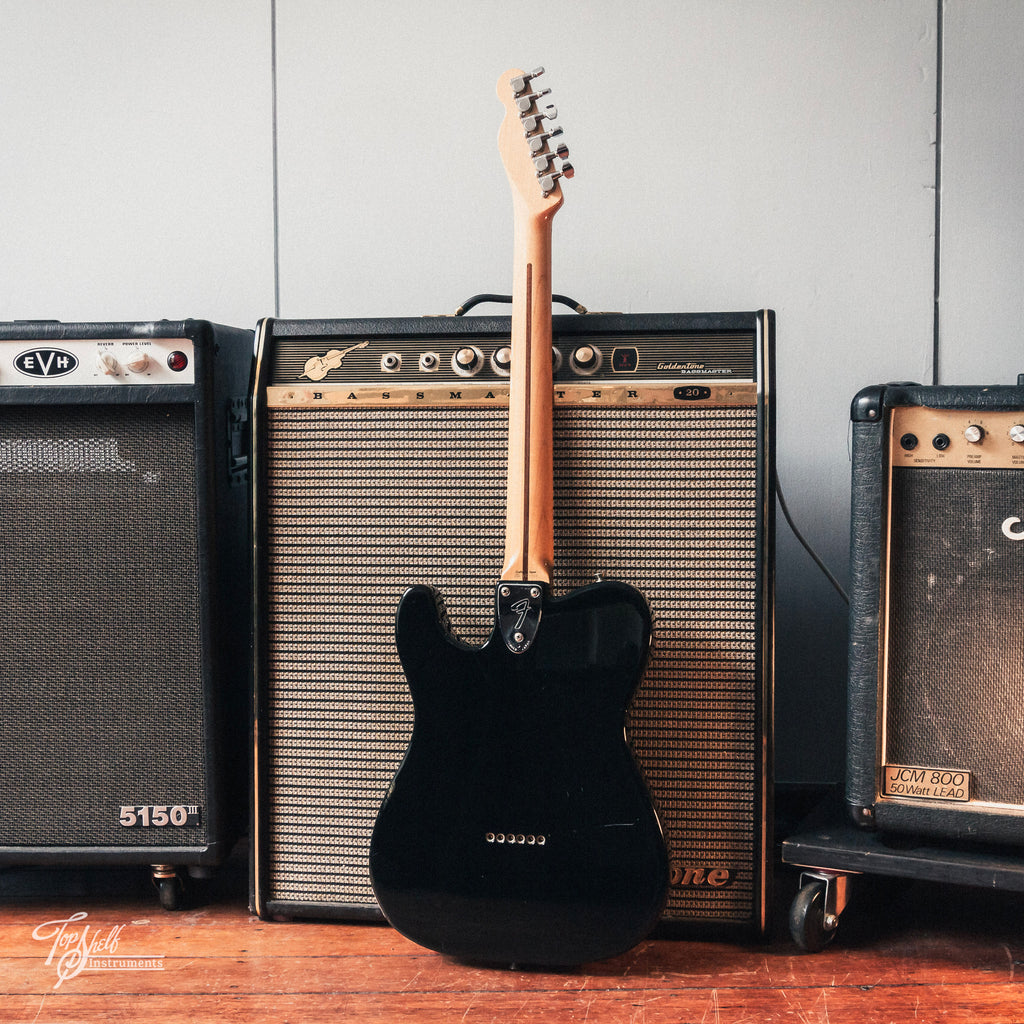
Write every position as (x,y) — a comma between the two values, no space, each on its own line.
(936,667)
(124,561)
(380,463)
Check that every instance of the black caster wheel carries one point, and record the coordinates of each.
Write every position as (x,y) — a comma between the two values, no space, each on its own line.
(169,888)
(809,925)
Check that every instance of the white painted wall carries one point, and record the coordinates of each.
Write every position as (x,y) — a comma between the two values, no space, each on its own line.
(136,160)
(982,221)
(730,154)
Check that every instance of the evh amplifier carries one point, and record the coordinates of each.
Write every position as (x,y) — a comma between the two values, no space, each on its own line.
(123,559)
(380,451)
(936,667)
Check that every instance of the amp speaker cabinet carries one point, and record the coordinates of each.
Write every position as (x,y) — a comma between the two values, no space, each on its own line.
(936,666)
(125,565)
(380,463)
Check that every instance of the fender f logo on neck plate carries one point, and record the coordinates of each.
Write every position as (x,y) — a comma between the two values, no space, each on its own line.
(519,608)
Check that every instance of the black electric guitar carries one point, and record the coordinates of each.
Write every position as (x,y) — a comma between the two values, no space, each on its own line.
(518,828)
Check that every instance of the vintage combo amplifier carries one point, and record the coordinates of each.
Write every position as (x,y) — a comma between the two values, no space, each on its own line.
(124,562)
(936,667)
(380,449)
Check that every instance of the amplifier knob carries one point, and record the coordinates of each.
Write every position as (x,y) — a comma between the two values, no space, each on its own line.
(467,361)
(1017,433)
(586,359)
(139,364)
(501,360)
(106,363)
(974,434)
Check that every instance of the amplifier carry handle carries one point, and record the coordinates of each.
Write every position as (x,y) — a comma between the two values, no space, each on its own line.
(475,300)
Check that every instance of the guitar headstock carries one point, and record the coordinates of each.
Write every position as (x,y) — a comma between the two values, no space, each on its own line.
(530,143)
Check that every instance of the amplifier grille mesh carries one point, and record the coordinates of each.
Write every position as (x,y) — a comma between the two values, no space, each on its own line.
(362,504)
(956,659)
(102,688)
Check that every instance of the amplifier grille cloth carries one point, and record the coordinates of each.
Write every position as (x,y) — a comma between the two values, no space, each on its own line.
(956,661)
(362,505)
(102,690)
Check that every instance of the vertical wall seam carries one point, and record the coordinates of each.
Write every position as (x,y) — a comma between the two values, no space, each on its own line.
(938,191)
(273,133)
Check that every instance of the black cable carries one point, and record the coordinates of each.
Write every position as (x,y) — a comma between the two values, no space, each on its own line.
(807,547)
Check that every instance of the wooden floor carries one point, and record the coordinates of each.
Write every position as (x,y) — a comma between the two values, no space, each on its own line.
(907,952)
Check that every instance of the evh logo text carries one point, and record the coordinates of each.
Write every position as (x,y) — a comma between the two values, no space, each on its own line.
(1012,528)
(45,362)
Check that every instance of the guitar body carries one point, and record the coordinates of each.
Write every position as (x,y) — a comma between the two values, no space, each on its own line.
(518,828)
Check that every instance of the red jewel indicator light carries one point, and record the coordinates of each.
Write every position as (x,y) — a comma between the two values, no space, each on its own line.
(177,361)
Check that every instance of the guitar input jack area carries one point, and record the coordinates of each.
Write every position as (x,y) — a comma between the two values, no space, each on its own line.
(515,839)
(973,434)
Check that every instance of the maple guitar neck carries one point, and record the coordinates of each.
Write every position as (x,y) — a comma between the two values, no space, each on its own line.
(525,145)
(529,527)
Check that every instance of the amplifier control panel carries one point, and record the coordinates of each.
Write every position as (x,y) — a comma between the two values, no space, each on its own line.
(350,359)
(455,364)
(956,438)
(96,362)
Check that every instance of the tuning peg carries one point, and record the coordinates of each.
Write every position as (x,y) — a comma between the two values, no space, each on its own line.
(525,102)
(547,181)
(521,82)
(531,122)
(537,141)
(542,161)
